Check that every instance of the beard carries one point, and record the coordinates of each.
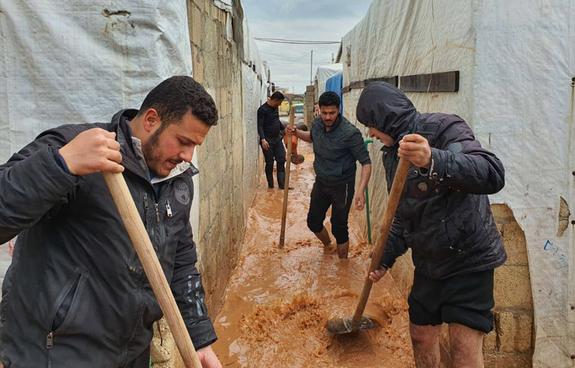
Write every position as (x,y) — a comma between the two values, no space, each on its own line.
(149,149)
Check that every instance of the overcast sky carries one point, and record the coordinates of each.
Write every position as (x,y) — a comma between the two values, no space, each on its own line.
(317,20)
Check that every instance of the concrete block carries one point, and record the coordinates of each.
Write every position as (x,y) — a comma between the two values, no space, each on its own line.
(197,25)
(524,332)
(506,331)
(512,287)
(490,342)
(515,245)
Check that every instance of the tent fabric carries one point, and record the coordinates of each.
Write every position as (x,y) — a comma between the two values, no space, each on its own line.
(323,73)
(334,84)
(80,61)
(516,61)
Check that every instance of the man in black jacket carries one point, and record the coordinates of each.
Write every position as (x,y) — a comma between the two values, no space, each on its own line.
(270,131)
(76,294)
(337,146)
(444,217)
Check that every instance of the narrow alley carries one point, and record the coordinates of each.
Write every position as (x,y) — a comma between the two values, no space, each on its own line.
(278,300)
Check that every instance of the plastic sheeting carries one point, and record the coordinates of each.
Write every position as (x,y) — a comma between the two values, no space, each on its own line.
(81,61)
(334,84)
(516,60)
(323,73)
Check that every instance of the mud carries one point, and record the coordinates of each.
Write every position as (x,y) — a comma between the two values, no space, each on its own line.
(279,300)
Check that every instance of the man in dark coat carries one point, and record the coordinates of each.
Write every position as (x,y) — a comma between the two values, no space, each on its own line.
(270,131)
(76,294)
(445,218)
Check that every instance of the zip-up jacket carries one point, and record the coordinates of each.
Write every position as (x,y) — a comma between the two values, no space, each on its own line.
(337,150)
(444,214)
(76,294)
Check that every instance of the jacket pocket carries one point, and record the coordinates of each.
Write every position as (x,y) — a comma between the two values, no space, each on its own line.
(67,304)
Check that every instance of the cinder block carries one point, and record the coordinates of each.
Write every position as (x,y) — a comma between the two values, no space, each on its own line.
(506,331)
(490,342)
(515,246)
(513,361)
(502,213)
(512,287)
(524,332)
(197,24)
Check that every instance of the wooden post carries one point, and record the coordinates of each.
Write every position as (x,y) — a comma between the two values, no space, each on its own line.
(286,183)
(143,246)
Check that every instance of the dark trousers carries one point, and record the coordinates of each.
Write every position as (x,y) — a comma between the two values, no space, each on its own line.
(276,152)
(339,197)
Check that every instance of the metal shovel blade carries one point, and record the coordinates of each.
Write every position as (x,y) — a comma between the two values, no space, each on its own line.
(341,326)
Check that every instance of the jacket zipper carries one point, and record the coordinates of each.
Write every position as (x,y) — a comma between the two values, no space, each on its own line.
(169,209)
(49,346)
(156,206)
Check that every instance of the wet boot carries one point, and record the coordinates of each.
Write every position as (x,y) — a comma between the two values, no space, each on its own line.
(323,236)
(281,179)
(270,178)
(342,250)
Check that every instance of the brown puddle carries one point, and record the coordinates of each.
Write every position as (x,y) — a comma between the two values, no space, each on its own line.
(278,301)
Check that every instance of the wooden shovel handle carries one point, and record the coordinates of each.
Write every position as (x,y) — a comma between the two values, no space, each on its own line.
(286,181)
(392,203)
(143,246)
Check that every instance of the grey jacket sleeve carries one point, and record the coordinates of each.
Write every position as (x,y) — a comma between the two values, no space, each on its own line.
(465,165)
(358,148)
(395,246)
(188,291)
(32,183)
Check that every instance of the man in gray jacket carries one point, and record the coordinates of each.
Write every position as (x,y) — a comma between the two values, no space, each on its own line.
(444,217)
(76,294)
(337,146)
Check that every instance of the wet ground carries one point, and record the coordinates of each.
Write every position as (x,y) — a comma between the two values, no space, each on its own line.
(278,300)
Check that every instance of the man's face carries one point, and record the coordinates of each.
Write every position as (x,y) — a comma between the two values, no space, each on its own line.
(382,137)
(166,148)
(328,114)
(274,103)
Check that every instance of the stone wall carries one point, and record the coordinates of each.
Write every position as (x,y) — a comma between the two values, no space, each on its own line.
(227,160)
(222,195)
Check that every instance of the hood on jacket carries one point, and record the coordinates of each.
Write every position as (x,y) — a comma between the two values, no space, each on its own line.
(386,108)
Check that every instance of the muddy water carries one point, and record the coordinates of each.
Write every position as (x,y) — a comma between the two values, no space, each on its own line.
(278,301)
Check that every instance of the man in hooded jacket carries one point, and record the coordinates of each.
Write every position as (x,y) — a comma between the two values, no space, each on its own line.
(445,218)
(76,294)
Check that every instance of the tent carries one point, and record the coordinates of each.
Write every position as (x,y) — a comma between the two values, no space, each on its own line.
(506,67)
(322,74)
(335,84)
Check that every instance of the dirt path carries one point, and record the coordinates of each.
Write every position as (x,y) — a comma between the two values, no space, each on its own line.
(278,301)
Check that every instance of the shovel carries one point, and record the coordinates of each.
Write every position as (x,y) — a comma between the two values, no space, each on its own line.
(143,246)
(340,326)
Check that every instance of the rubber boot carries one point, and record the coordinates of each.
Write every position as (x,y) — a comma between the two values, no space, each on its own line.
(323,236)
(281,179)
(342,250)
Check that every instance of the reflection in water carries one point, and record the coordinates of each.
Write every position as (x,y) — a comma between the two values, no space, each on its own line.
(278,301)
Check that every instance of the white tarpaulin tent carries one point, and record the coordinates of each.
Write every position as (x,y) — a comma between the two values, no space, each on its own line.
(323,73)
(516,61)
(81,61)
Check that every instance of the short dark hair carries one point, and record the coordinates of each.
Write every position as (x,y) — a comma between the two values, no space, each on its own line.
(277,96)
(329,99)
(177,95)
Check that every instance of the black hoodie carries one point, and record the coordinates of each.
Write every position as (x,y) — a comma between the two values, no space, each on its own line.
(444,214)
